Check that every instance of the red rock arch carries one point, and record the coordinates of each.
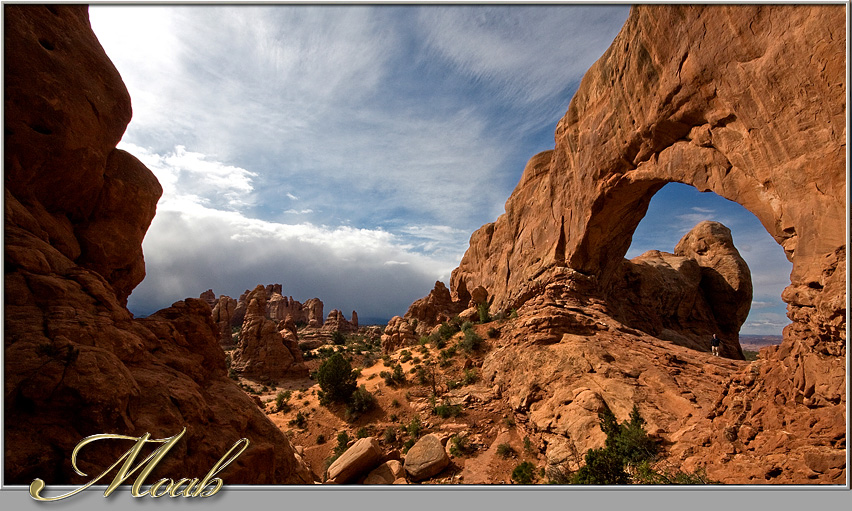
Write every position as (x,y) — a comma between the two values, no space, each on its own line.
(744,101)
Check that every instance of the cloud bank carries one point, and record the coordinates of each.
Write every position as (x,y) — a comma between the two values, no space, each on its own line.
(346,152)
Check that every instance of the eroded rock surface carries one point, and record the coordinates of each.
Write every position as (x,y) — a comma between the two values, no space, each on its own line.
(263,351)
(76,209)
(744,101)
(704,288)
(436,308)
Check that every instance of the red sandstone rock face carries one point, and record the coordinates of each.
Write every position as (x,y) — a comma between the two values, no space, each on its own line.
(398,333)
(210,297)
(336,321)
(314,307)
(745,101)
(698,95)
(223,313)
(686,298)
(76,209)
(434,309)
(263,352)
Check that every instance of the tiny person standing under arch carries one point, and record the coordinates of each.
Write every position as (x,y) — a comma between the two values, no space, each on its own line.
(714,345)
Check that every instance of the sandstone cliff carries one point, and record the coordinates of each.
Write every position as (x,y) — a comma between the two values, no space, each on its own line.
(744,101)
(76,209)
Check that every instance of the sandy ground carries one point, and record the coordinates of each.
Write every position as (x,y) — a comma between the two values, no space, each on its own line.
(487,423)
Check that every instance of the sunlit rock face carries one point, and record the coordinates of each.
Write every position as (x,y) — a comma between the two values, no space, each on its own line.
(744,101)
(263,352)
(76,362)
(703,289)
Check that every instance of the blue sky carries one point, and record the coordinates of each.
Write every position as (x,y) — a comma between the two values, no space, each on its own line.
(346,152)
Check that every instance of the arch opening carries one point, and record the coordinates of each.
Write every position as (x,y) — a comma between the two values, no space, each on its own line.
(676,208)
(697,264)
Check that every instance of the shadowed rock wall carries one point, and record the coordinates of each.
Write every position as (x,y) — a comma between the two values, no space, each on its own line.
(76,362)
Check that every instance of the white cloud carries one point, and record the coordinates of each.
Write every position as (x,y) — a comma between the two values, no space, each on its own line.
(532,52)
(394,155)
(191,246)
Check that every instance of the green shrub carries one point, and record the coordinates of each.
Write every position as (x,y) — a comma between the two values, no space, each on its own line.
(404,356)
(524,473)
(340,448)
(362,432)
(320,439)
(281,399)
(646,474)
(602,466)
(460,446)
(470,377)
(448,353)
(301,421)
(482,309)
(415,427)
(338,338)
(505,451)
(493,333)
(362,401)
(448,329)
(445,410)
(390,435)
(528,447)
(336,379)
(626,444)
(408,445)
(398,375)
(395,403)
(471,342)
(467,325)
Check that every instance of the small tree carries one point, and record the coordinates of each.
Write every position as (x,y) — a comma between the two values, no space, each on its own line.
(482,309)
(281,399)
(523,473)
(626,444)
(336,379)
(338,338)
(602,466)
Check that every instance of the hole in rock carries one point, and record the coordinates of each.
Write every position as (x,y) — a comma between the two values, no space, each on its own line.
(38,128)
(676,208)
(47,45)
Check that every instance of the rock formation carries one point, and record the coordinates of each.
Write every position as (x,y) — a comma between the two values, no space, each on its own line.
(263,352)
(76,209)
(432,310)
(314,307)
(744,101)
(658,107)
(336,321)
(223,315)
(398,333)
(426,458)
(703,289)
(210,297)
